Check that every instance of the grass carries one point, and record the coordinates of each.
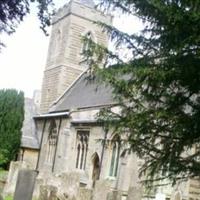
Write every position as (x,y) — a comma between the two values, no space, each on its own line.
(8,198)
(3,174)
(3,177)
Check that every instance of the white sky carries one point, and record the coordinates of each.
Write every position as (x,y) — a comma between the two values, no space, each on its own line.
(22,62)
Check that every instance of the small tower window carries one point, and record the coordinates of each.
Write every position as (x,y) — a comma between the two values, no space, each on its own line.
(114,156)
(86,44)
(52,141)
(82,149)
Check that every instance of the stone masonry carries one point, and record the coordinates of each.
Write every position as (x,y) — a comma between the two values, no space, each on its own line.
(63,64)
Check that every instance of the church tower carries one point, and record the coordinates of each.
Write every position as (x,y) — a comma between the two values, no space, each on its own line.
(64,58)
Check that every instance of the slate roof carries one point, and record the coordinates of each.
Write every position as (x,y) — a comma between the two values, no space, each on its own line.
(84,93)
(29,138)
(29,142)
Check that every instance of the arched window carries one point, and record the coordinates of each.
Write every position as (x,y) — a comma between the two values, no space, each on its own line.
(115,156)
(51,143)
(82,149)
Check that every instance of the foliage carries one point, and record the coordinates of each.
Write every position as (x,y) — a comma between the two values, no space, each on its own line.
(11,120)
(3,174)
(12,12)
(158,87)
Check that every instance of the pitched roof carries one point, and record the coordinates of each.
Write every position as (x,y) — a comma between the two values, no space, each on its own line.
(29,142)
(29,138)
(84,93)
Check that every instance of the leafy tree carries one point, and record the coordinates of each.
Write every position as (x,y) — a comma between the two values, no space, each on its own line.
(11,120)
(12,12)
(158,88)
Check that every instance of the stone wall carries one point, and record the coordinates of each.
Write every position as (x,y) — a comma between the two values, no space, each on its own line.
(194,189)
(30,156)
(66,156)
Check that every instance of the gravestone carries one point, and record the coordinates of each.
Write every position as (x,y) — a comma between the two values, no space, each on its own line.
(48,192)
(113,195)
(11,181)
(25,184)
(84,194)
(134,193)
(101,190)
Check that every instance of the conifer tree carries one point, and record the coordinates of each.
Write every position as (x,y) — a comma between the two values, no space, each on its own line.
(158,88)
(11,120)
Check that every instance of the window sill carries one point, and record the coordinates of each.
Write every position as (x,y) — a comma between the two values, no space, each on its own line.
(80,170)
(83,176)
(111,178)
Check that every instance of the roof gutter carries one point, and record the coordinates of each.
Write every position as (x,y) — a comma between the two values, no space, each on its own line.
(49,115)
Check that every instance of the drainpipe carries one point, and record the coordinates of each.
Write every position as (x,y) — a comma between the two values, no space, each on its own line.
(103,149)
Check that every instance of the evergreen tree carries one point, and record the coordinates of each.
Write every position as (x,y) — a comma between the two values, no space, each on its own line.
(158,88)
(12,12)
(11,120)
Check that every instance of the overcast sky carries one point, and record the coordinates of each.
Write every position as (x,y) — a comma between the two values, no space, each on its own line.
(22,62)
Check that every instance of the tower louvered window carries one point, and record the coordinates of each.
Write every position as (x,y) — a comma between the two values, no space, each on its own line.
(82,149)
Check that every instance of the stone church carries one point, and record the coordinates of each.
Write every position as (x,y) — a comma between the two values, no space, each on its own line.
(73,153)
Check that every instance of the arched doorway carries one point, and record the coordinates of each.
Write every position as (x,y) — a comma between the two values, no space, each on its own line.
(96,168)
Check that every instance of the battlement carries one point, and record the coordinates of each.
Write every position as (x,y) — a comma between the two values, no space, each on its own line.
(81,8)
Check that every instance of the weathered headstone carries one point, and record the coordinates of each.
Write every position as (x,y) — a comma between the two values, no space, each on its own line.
(69,184)
(43,192)
(134,193)
(113,195)
(101,190)
(48,192)
(53,193)
(25,184)
(84,194)
(11,181)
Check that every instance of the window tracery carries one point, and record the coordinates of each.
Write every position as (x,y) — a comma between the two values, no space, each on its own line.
(115,156)
(82,149)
